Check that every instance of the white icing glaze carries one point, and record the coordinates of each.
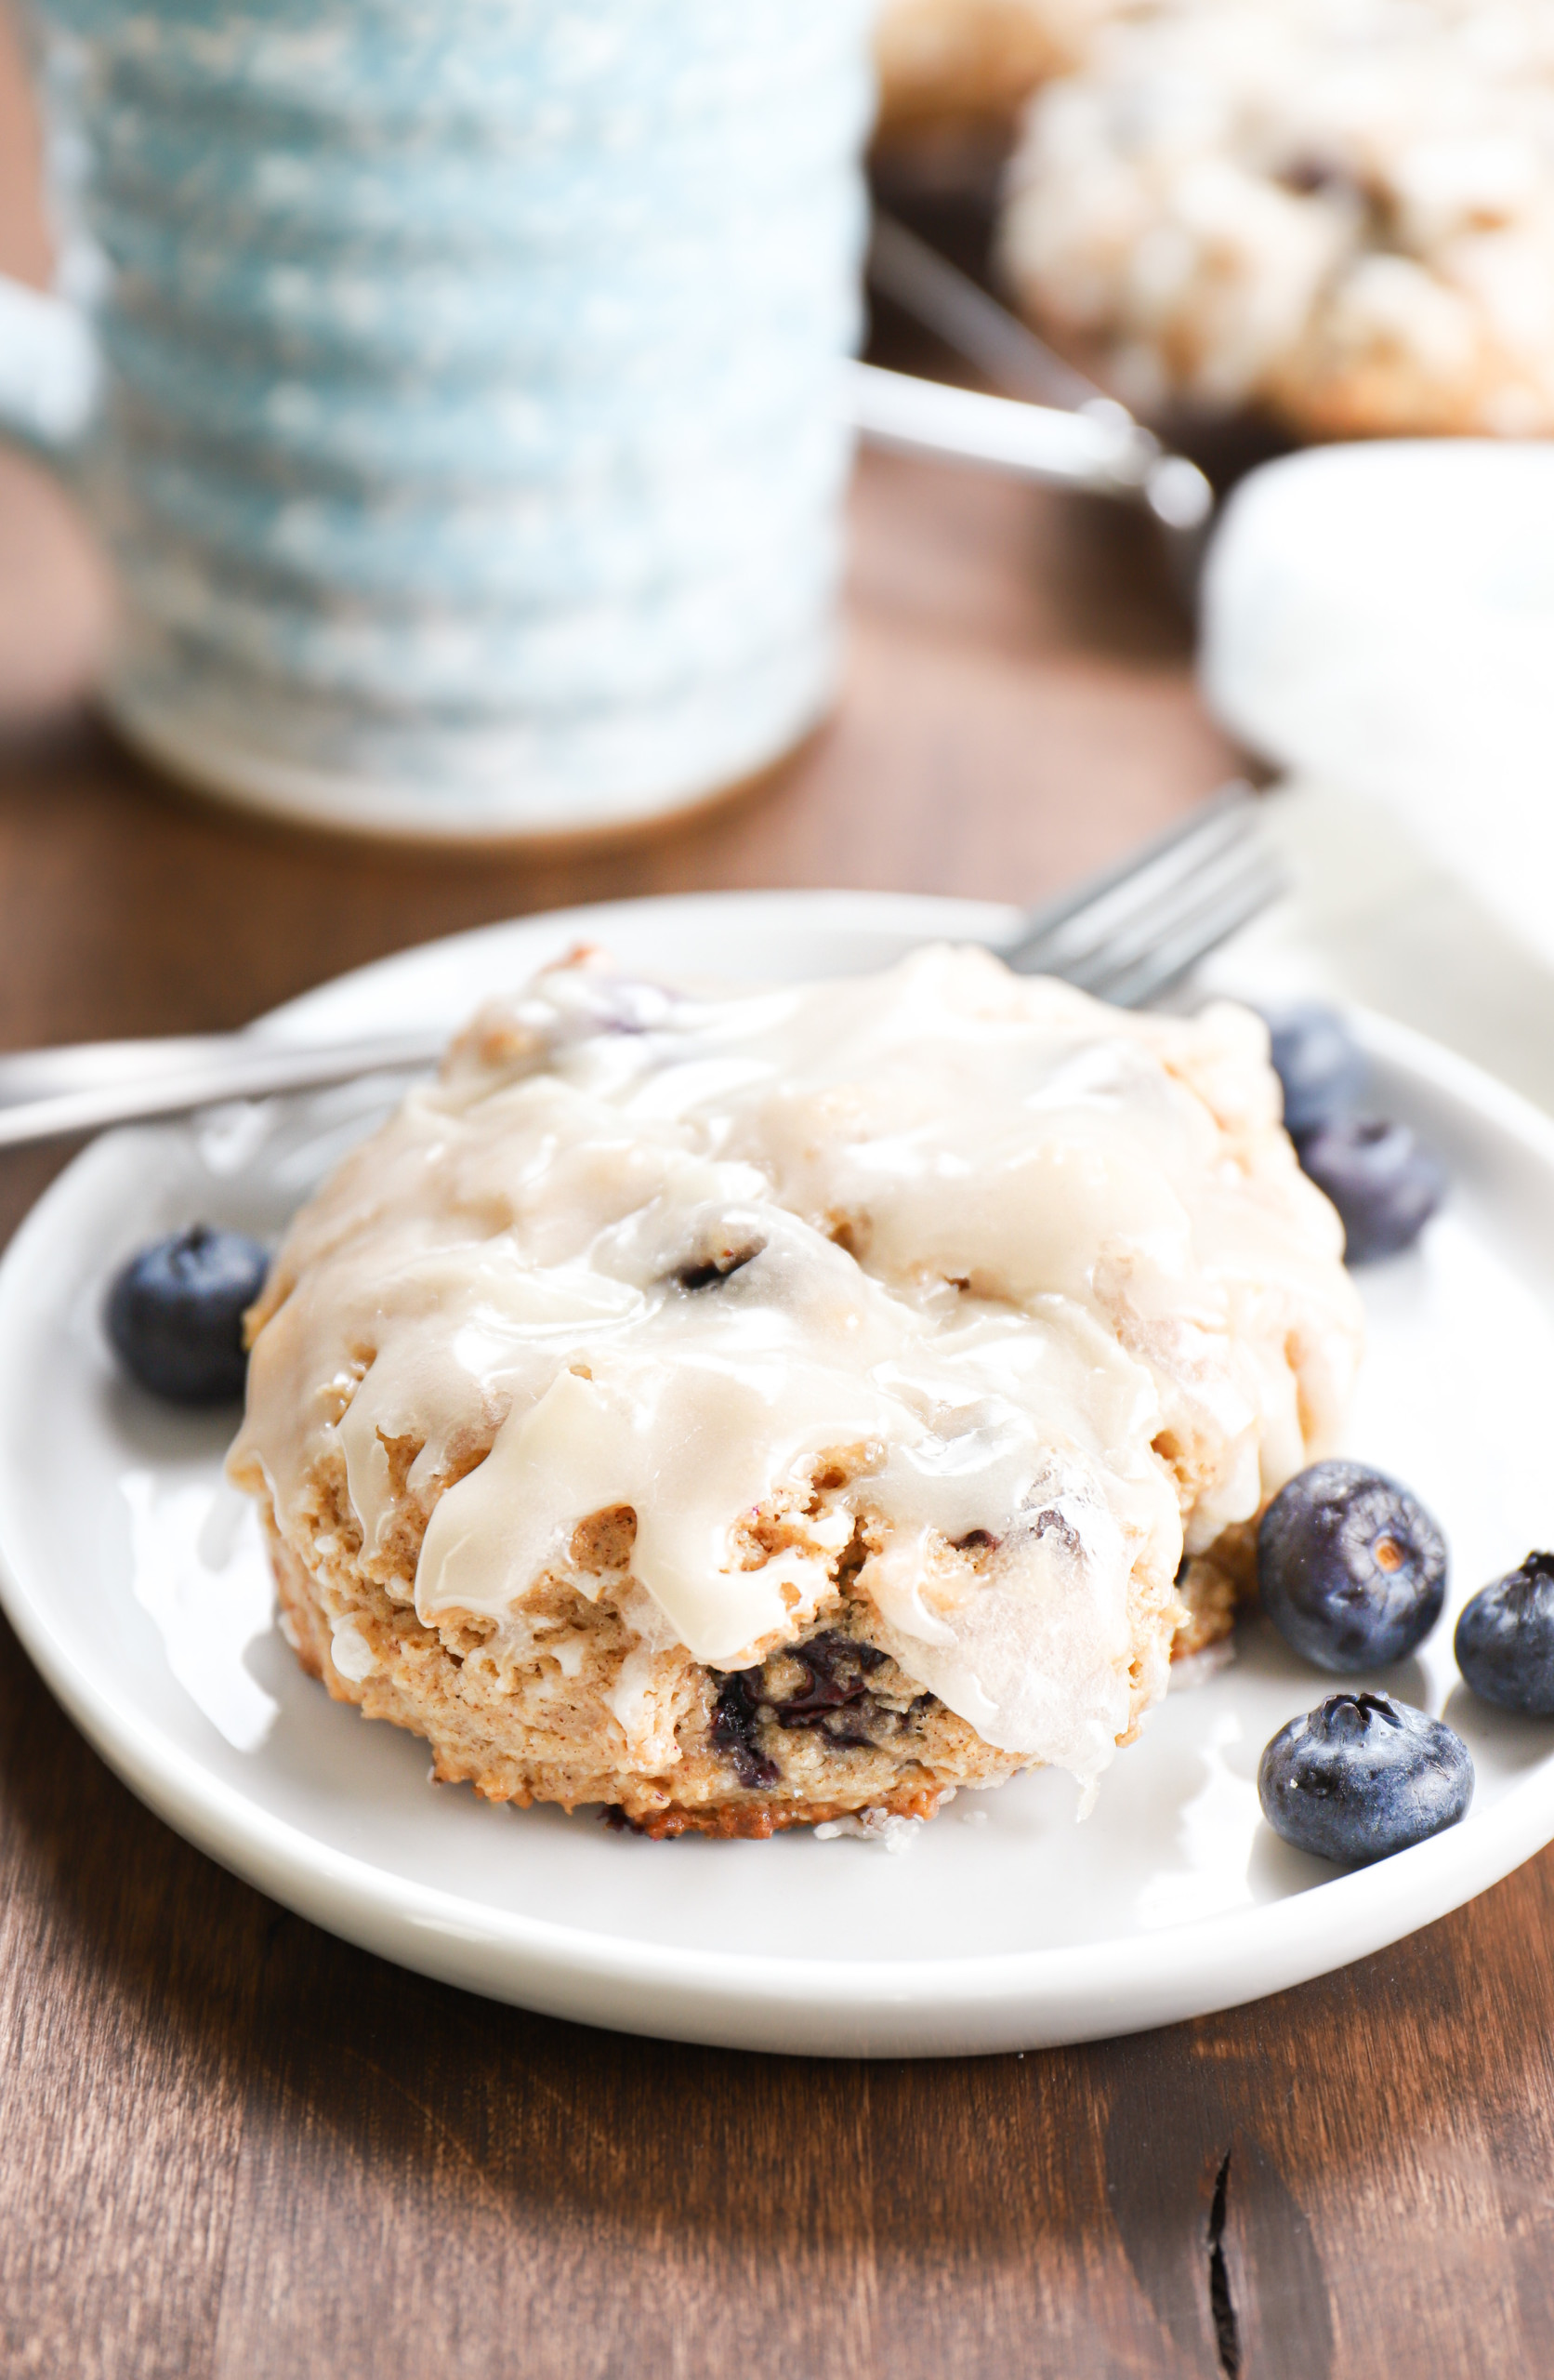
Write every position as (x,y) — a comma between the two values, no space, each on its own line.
(666,1251)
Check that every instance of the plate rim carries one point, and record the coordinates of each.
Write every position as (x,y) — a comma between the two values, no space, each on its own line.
(799,2004)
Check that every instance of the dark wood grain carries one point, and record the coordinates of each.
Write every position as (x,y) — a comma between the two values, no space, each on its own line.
(231,2148)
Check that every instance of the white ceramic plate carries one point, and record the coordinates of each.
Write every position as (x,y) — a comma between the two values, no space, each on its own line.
(139,1591)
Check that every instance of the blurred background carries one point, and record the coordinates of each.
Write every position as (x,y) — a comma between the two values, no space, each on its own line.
(1319,231)
(459,414)
(1329,217)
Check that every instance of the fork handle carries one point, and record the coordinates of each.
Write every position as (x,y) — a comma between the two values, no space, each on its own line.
(1095,453)
(236,1066)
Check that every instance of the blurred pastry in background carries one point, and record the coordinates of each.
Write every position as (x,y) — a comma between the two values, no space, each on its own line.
(1337,214)
(962,69)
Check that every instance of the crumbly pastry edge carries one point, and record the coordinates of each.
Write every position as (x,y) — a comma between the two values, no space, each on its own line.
(590,1703)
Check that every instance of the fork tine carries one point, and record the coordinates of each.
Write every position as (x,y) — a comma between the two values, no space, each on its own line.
(1102,941)
(1124,941)
(1074,921)
(1200,929)
(1206,819)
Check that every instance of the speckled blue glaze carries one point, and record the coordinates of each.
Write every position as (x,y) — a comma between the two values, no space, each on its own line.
(467,448)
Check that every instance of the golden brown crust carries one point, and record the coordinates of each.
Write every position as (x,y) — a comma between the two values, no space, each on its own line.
(544,1723)
(583,1709)
(1213,1586)
(759,1821)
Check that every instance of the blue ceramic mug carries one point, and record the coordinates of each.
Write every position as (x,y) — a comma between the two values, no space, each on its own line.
(454,387)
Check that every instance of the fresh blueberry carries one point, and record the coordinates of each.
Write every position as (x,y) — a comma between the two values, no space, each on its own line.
(1362,1777)
(1385,1183)
(1505,1639)
(175,1314)
(1317,1061)
(1352,1569)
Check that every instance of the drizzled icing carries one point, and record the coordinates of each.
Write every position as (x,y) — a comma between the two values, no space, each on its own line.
(1039,1275)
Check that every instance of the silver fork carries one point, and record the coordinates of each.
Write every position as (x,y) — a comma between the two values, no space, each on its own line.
(1053,424)
(1127,935)
(1130,934)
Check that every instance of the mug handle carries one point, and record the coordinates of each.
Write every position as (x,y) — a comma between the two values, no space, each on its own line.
(47,367)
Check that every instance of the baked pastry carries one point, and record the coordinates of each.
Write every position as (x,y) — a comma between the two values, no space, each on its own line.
(757,1408)
(1336,213)
(972,64)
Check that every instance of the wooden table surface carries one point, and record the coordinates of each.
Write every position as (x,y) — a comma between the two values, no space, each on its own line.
(230,2145)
